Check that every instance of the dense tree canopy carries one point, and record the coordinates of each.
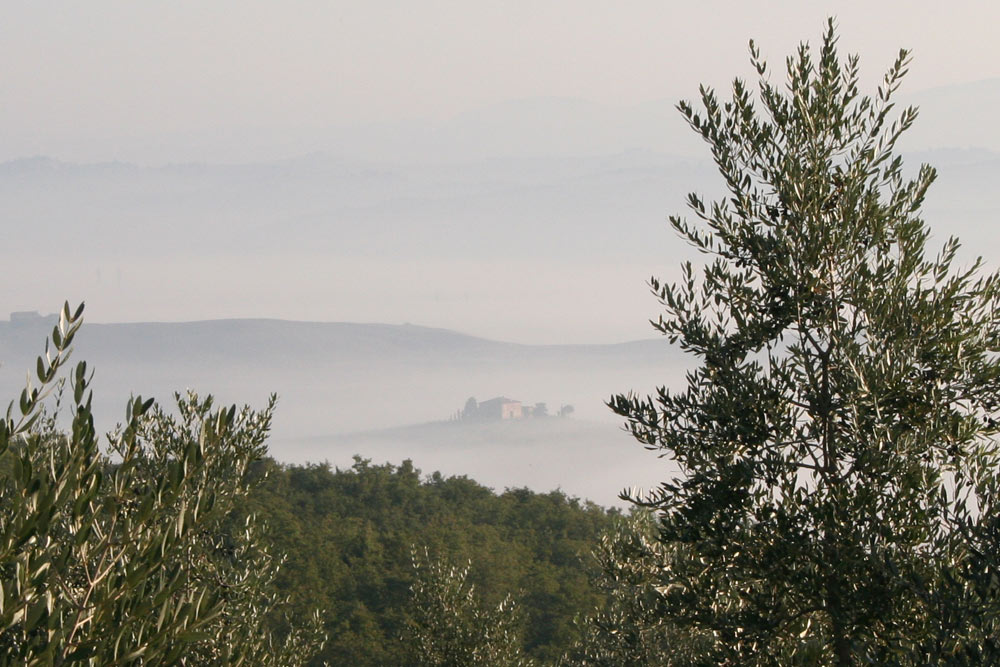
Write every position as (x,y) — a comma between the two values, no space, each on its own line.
(837,438)
(350,533)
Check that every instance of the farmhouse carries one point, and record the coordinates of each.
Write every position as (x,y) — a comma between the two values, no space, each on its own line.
(500,408)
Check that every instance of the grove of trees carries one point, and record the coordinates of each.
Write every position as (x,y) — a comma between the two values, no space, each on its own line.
(350,536)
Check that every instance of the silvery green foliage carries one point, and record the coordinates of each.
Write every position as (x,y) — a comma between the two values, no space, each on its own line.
(631,630)
(122,556)
(837,502)
(451,627)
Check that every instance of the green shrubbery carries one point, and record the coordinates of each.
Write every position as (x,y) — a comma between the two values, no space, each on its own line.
(128,555)
(350,535)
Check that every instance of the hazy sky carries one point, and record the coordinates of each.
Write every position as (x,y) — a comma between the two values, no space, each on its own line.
(235,80)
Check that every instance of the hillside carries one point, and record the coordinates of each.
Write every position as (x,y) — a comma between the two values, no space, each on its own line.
(342,385)
(552,249)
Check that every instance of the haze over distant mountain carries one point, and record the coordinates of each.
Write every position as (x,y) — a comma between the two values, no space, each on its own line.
(958,115)
(549,249)
(342,385)
(954,116)
(537,220)
(552,249)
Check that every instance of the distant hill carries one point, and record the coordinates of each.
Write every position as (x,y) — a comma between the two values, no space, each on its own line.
(513,245)
(325,203)
(342,385)
(608,208)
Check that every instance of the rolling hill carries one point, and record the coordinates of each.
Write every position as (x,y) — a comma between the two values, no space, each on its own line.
(348,389)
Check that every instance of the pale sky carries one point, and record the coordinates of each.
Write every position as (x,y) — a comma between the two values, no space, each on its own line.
(155,82)
(234,80)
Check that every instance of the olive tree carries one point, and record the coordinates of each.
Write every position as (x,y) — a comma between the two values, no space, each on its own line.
(127,554)
(450,626)
(630,629)
(836,438)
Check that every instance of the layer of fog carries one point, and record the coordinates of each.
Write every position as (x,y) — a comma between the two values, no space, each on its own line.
(340,386)
(528,250)
(596,461)
(516,248)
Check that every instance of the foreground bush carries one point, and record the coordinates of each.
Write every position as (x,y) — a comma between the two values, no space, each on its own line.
(128,555)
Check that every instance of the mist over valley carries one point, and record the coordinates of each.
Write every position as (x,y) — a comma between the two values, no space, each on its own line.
(385,392)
